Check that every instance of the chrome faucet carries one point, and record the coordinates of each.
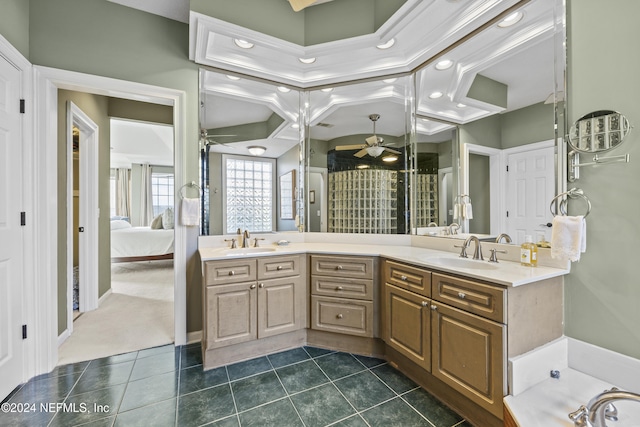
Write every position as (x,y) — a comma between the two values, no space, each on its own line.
(600,408)
(246,239)
(432,224)
(453,228)
(477,253)
(506,237)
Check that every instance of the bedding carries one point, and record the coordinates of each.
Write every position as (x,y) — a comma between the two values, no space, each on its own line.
(140,244)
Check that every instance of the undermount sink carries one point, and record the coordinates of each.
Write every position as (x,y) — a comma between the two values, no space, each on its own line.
(247,251)
(463,263)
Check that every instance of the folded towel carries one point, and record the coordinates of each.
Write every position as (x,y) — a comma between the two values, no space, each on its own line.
(468,211)
(456,211)
(568,237)
(190,212)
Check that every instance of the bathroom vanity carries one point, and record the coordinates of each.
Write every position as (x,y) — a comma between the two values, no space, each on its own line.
(449,324)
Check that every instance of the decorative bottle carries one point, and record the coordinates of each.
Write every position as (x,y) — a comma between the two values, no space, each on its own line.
(529,253)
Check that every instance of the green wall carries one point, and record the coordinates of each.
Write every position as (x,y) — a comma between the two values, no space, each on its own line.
(14,24)
(602,295)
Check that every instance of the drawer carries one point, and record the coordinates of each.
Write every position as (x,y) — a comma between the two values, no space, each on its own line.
(281,266)
(408,277)
(345,288)
(343,316)
(342,266)
(232,271)
(484,300)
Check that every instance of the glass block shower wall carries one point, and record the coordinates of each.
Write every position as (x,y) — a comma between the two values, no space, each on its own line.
(427,200)
(363,201)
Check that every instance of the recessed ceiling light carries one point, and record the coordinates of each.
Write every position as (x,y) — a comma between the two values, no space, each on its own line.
(511,19)
(444,64)
(230,77)
(243,43)
(307,60)
(461,105)
(390,80)
(327,89)
(284,89)
(295,126)
(257,150)
(436,95)
(362,166)
(386,45)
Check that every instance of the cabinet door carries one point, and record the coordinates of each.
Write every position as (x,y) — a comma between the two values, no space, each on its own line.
(231,314)
(408,325)
(468,355)
(282,306)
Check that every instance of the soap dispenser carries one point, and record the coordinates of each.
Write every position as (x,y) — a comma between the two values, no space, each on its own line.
(529,253)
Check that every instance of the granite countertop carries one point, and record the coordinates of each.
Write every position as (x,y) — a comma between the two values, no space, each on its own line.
(504,273)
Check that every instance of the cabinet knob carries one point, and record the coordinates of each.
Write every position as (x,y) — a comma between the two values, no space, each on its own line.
(261,285)
(232,273)
(339,316)
(338,288)
(404,278)
(434,307)
(462,295)
(339,267)
(425,303)
(252,286)
(279,268)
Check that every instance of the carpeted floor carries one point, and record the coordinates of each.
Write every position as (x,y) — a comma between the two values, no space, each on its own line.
(138,314)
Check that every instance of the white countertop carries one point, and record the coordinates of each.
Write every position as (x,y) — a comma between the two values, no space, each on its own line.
(549,403)
(504,273)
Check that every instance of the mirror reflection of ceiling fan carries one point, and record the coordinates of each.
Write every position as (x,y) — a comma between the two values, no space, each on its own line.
(206,139)
(298,5)
(373,146)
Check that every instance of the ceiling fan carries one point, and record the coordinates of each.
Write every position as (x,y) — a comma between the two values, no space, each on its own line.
(298,5)
(206,139)
(373,145)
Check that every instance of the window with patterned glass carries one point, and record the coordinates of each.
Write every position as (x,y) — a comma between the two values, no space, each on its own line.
(161,191)
(249,194)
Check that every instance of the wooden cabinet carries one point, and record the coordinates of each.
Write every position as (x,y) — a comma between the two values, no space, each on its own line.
(251,299)
(343,295)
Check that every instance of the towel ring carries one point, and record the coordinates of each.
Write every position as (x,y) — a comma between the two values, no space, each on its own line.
(573,193)
(191,184)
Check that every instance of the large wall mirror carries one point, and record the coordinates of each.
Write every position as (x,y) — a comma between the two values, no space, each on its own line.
(397,155)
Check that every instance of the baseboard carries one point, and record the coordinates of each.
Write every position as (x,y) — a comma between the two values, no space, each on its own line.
(194,337)
(63,337)
(606,365)
(533,367)
(104,297)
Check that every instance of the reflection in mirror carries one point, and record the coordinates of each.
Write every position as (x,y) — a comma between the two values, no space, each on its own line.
(598,131)
(357,157)
(249,137)
(500,88)
(287,195)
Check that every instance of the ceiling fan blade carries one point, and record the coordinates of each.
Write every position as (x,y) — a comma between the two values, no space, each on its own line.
(350,147)
(361,153)
(212,135)
(298,5)
(372,140)
(390,150)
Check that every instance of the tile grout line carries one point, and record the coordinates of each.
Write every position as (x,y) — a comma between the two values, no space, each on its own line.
(286,392)
(175,418)
(233,397)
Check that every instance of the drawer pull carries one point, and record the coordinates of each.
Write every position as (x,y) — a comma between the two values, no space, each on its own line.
(252,286)
(232,273)
(462,295)
(403,278)
(339,316)
(338,267)
(425,303)
(434,307)
(279,268)
(338,288)
(261,285)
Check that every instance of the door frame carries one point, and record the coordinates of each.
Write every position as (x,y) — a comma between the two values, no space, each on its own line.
(88,212)
(324,173)
(47,82)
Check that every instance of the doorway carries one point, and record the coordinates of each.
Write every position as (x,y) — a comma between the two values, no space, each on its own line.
(317,216)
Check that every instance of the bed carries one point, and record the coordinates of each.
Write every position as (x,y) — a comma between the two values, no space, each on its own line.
(130,244)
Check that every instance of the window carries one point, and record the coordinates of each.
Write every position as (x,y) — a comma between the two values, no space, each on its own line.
(161,191)
(112,193)
(249,194)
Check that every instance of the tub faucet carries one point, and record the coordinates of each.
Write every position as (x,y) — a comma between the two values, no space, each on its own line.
(600,408)
(506,237)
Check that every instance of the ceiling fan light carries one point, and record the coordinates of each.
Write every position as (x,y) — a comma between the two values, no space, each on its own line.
(386,45)
(375,151)
(390,158)
(243,44)
(257,150)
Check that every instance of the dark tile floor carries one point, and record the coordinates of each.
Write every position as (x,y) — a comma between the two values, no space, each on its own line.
(166,386)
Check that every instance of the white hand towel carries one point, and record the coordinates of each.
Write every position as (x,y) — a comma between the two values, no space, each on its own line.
(456,211)
(468,211)
(190,212)
(568,237)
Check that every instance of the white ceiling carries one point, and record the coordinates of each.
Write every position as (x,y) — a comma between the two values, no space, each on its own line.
(140,142)
(178,10)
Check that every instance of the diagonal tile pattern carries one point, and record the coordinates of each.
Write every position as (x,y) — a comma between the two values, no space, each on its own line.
(166,386)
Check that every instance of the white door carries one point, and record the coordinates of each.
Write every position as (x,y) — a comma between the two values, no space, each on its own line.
(530,188)
(11,239)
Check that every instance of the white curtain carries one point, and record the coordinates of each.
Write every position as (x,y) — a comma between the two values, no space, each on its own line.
(146,202)
(123,192)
